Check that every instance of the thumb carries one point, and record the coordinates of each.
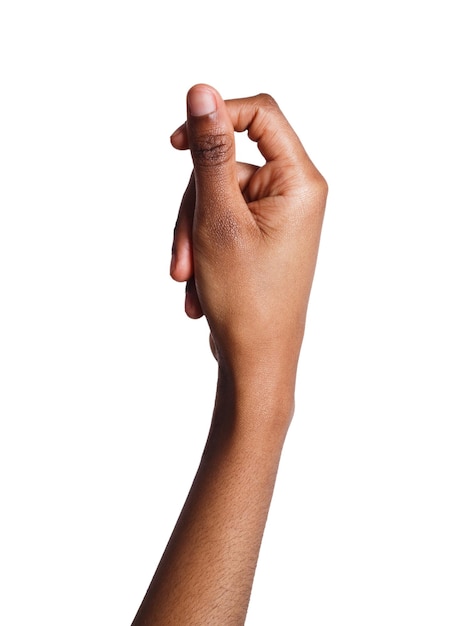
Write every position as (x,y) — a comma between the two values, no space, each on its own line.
(211,141)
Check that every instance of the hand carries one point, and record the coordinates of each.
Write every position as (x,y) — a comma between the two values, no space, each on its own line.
(246,237)
(246,242)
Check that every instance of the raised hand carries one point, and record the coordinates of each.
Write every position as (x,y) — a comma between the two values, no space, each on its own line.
(246,237)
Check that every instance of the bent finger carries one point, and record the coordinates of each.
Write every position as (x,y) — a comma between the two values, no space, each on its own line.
(266,125)
(179,139)
(182,266)
(192,304)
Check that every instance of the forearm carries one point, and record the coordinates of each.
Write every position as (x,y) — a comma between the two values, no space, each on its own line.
(206,573)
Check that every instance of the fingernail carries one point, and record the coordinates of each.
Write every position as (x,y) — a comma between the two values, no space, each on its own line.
(201,101)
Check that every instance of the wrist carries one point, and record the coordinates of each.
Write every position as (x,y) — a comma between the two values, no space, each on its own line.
(256,399)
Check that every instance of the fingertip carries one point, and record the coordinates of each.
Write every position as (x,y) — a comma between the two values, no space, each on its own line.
(175,270)
(181,268)
(202,100)
(179,138)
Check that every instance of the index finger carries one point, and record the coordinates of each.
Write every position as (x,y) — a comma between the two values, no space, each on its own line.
(266,124)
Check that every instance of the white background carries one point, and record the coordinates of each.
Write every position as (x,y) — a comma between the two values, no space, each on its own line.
(106,388)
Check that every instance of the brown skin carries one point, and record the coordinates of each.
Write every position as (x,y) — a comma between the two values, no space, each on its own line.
(246,243)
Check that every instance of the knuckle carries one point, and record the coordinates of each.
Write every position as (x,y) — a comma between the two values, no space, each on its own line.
(267,101)
(211,150)
(316,181)
(321,186)
(319,195)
